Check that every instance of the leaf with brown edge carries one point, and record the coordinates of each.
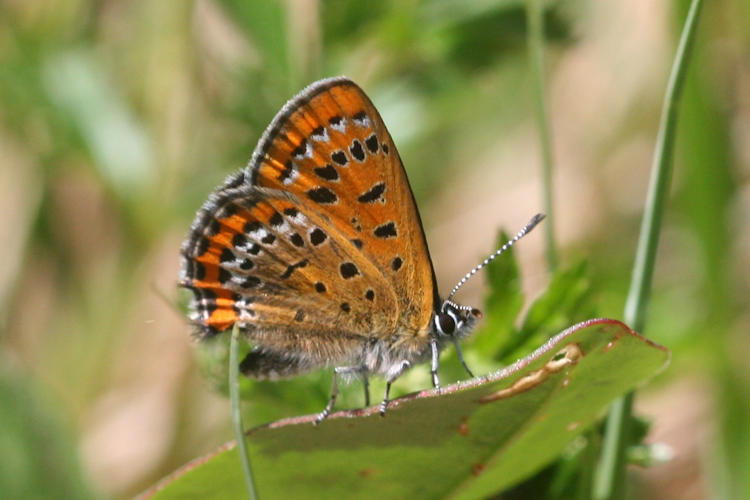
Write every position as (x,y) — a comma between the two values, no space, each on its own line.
(469,440)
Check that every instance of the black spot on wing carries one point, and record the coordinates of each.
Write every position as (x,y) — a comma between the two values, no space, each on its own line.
(224,275)
(335,121)
(361,119)
(290,269)
(396,263)
(327,173)
(317,236)
(373,194)
(226,256)
(268,239)
(287,172)
(322,195)
(250,282)
(276,219)
(372,143)
(297,240)
(340,158)
(239,240)
(318,134)
(387,230)
(357,151)
(299,151)
(348,270)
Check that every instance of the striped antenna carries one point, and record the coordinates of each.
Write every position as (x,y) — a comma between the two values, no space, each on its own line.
(528,227)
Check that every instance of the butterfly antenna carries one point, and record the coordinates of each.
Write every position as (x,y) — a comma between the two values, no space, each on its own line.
(528,227)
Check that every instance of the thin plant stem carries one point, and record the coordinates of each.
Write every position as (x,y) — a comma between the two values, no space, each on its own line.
(234,396)
(609,480)
(535,44)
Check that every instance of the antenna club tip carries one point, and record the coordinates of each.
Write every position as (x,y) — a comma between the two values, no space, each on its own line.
(537,219)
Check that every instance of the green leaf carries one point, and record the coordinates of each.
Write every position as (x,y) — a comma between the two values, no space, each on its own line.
(471,440)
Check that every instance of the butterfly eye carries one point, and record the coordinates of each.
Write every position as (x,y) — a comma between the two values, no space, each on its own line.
(446,323)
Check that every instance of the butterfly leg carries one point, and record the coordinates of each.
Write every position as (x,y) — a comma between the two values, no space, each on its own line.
(366,385)
(435,363)
(461,357)
(401,368)
(339,370)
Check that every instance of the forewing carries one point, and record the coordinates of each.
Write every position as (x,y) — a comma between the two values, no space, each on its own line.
(330,148)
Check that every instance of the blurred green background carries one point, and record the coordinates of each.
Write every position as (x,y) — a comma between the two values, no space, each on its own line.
(117,118)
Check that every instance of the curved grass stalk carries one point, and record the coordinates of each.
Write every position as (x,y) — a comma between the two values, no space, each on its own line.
(234,396)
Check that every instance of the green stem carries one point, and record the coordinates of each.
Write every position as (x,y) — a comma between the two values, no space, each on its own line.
(234,396)
(535,44)
(609,480)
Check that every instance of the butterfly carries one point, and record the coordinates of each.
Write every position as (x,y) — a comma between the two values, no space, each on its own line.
(316,251)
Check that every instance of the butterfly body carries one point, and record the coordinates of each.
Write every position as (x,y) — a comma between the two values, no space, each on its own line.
(316,248)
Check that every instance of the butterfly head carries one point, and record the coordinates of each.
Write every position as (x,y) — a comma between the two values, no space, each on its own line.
(454,320)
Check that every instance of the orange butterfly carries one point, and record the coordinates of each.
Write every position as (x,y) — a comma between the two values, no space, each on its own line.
(316,250)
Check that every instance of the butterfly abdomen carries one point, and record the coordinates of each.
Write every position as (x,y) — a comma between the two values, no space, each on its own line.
(264,364)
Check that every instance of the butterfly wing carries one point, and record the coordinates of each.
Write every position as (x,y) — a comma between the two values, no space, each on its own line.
(318,243)
(330,147)
(261,258)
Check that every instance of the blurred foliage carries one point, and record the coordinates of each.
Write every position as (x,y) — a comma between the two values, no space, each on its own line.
(34,446)
(117,118)
(566,300)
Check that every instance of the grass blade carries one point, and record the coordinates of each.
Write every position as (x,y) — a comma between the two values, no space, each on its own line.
(234,396)
(609,480)
(535,44)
